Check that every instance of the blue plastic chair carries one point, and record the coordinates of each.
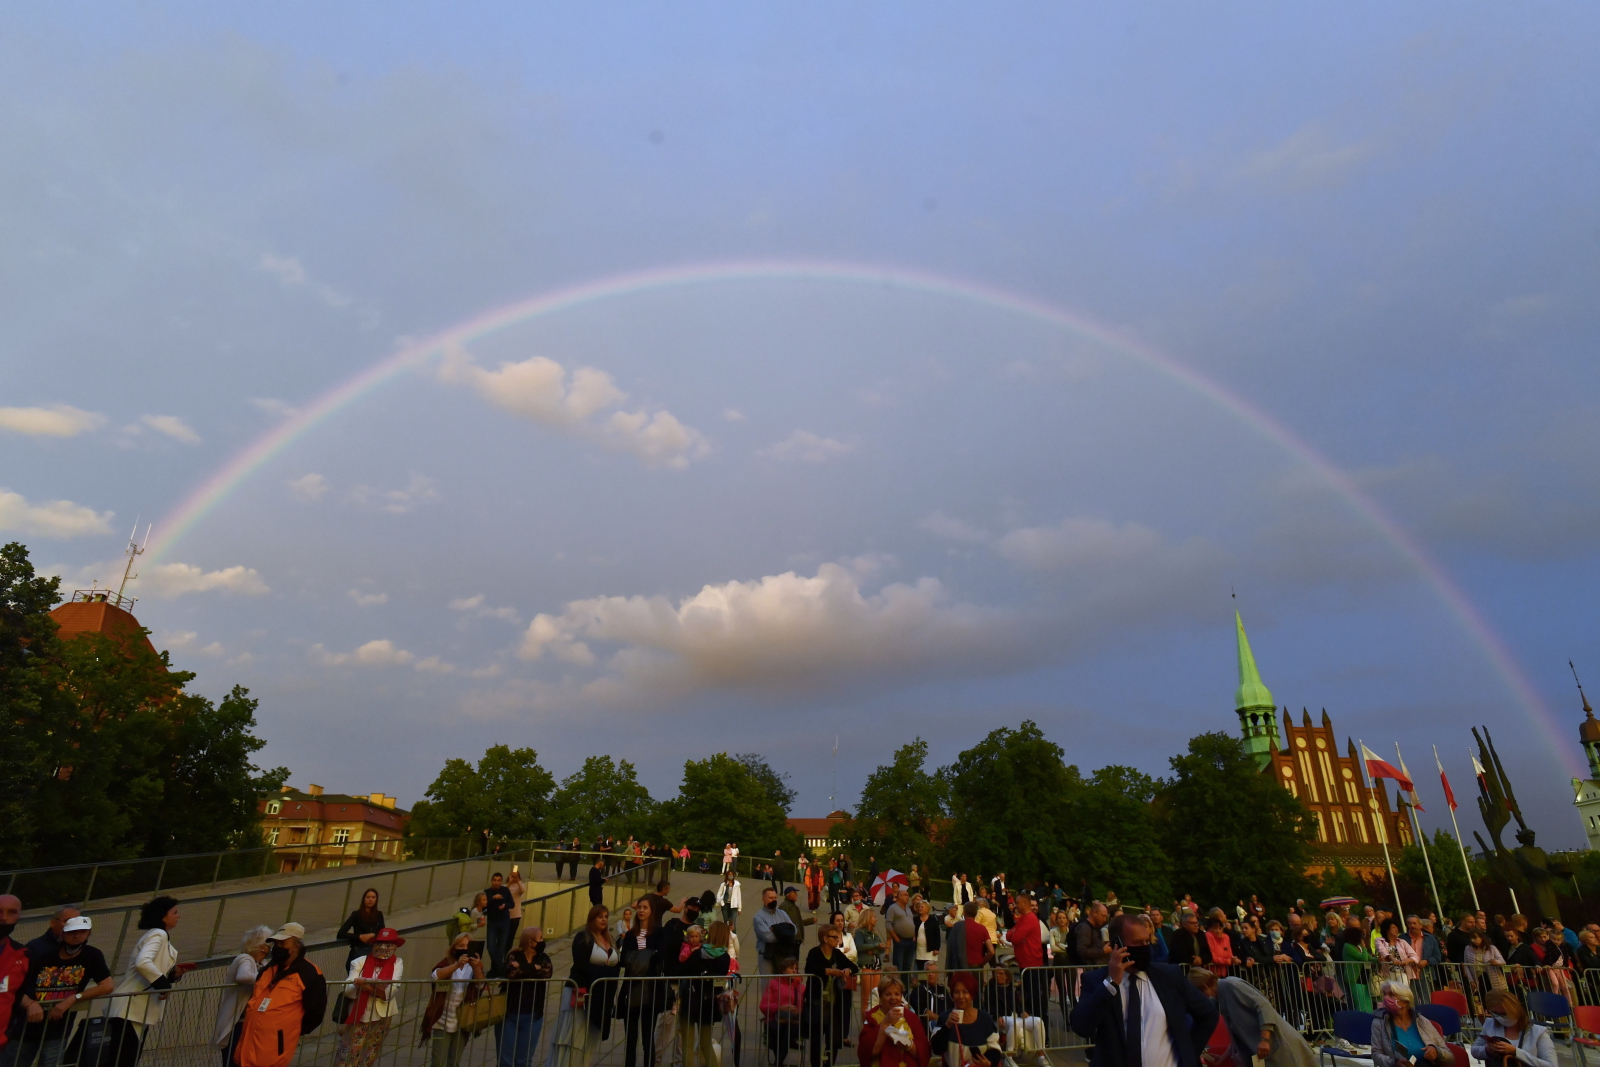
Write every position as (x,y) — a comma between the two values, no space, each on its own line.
(1446,1018)
(1356,1028)
(1557,1009)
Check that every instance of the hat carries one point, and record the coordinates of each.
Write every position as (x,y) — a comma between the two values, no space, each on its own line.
(77,922)
(294,930)
(791,889)
(388,936)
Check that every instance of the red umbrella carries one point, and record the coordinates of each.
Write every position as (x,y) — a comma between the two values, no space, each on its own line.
(889,881)
(1338,902)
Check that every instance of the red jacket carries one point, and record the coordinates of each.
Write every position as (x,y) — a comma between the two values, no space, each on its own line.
(1027,941)
(893,1055)
(13,972)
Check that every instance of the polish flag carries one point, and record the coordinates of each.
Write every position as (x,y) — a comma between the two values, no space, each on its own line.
(1415,803)
(1379,768)
(1444,779)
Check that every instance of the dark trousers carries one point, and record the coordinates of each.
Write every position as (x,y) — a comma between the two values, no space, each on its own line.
(1036,995)
(903,955)
(497,942)
(781,1034)
(641,1026)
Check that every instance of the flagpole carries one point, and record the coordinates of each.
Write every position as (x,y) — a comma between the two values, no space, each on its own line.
(1416,826)
(1383,833)
(1459,844)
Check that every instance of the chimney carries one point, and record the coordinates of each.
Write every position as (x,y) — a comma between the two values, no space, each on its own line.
(314,789)
(286,789)
(375,798)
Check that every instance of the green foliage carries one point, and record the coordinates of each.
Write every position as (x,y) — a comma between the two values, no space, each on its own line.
(106,755)
(1009,803)
(602,798)
(1337,881)
(507,795)
(1113,838)
(725,798)
(1228,829)
(901,813)
(1451,877)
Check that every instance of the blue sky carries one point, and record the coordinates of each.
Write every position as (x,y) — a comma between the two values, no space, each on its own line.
(758,514)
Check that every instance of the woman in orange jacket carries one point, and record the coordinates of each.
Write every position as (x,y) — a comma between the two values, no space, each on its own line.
(289,1000)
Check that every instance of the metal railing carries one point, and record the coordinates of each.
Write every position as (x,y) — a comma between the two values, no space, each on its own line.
(323,905)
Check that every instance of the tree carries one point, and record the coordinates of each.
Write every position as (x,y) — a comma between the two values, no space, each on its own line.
(1229,830)
(507,796)
(902,812)
(602,798)
(775,785)
(1448,874)
(106,755)
(725,798)
(1008,802)
(1113,838)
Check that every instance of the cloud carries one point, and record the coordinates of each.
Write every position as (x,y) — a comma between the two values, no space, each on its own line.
(308,487)
(475,606)
(168,580)
(274,407)
(367,600)
(950,529)
(291,274)
(734,415)
(379,653)
(803,446)
(783,631)
(55,518)
(1077,542)
(173,427)
(57,420)
(543,390)
(1310,158)
(396,501)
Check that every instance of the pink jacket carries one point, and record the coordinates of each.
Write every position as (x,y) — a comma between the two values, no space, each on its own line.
(788,991)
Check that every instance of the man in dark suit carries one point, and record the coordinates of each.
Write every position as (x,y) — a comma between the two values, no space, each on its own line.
(1139,1013)
(597,881)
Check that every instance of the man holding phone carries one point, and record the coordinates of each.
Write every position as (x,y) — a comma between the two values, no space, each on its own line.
(1140,1013)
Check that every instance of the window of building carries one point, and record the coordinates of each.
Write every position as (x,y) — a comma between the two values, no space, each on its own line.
(274,806)
(272,837)
(1381,831)
(1338,827)
(1322,831)
(1308,778)
(1360,822)
(341,836)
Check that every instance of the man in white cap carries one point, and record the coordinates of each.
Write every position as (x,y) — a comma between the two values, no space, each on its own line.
(58,981)
(289,1000)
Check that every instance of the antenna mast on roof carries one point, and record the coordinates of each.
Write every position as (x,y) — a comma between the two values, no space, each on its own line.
(135,549)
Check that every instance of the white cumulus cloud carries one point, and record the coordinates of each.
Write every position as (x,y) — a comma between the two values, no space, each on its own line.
(380,653)
(397,501)
(1078,542)
(57,420)
(173,427)
(308,487)
(51,518)
(783,630)
(368,600)
(543,390)
(803,446)
(167,580)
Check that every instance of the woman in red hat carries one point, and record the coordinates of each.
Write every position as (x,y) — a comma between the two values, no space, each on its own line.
(374,1000)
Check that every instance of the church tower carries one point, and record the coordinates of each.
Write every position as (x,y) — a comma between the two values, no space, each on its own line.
(1258,718)
(1586,791)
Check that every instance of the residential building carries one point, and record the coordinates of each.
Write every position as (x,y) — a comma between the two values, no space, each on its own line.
(332,829)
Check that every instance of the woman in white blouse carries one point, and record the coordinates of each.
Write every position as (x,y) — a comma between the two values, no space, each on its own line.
(152,968)
(847,940)
(240,979)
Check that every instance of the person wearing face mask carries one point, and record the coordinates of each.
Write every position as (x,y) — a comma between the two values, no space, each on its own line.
(1255,1028)
(1139,1013)
(240,979)
(13,961)
(289,1001)
(58,982)
(1401,1036)
(528,967)
(375,1000)
(1508,1037)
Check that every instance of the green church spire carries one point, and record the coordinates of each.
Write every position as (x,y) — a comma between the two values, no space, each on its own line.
(1258,718)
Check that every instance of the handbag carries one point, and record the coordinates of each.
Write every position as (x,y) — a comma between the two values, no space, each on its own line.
(103,1041)
(482,1013)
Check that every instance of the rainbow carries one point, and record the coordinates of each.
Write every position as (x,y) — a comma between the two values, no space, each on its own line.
(219,486)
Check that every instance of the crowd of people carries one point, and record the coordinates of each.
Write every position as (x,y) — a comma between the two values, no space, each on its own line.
(997,974)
